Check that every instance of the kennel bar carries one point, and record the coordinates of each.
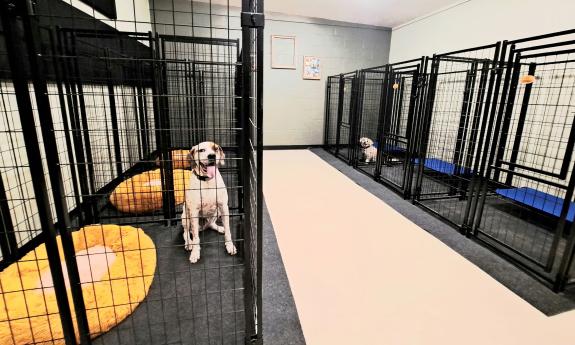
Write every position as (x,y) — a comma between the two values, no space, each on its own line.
(453,128)
(526,208)
(87,107)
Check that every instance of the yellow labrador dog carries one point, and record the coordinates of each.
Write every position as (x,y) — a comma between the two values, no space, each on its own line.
(207,198)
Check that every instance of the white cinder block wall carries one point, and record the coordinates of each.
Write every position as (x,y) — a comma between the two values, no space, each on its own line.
(478,22)
(293,107)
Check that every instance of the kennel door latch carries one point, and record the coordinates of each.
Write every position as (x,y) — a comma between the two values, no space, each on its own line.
(253,20)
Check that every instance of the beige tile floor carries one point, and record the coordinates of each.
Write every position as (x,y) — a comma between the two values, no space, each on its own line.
(361,273)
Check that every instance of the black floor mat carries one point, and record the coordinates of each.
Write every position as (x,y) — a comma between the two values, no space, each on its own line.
(201,303)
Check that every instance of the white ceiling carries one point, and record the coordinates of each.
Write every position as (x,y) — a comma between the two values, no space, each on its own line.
(388,13)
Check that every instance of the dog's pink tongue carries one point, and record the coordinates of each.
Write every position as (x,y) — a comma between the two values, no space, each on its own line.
(211,171)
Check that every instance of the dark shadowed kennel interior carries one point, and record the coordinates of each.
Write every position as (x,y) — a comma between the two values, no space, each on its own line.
(98,118)
(493,132)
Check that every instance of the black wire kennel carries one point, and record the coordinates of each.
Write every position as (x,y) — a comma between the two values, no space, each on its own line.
(389,99)
(453,128)
(526,207)
(86,108)
(492,143)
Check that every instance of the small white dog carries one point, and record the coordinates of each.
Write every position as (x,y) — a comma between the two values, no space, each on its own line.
(207,198)
(369,151)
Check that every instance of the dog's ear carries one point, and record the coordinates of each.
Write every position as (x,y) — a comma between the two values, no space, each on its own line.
(220,154)
(191,156)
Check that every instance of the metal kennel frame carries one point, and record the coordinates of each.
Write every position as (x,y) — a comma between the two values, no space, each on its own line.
(490,148)
(387,109)
(86,104)
(340,115)
(526,207)
(453,127)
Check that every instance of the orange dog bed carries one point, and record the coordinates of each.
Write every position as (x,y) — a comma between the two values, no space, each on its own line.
(116,266)
(180,159)
(142,193)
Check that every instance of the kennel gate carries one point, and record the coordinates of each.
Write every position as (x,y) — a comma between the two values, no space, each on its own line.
(453,128)
(340,115)
(399,105)
(331,111)
(526,207)
(86,106)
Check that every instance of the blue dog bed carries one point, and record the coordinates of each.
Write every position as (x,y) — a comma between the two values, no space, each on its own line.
(390,148)
(539,200)
(444,167)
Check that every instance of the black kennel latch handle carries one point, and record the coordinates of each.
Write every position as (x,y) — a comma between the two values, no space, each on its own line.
(253,20)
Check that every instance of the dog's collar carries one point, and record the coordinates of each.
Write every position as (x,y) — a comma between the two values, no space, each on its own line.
(201,177)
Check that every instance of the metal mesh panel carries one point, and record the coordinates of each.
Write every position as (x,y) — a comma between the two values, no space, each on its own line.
(525,210)
(105,102)
(456,119)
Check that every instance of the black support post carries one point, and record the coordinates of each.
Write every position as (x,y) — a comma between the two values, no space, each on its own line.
(164,133)
(326,121)
(248,279)
(339,113)
(14,37)
(355,117)
(32,32)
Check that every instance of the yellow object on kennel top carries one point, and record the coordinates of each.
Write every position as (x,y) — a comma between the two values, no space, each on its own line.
(527,79)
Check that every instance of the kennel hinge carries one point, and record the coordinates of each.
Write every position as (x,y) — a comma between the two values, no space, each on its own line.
(253,20)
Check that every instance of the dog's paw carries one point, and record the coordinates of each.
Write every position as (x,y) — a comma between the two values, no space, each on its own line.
(217,227)
(195,255)
(188,246)
(230,248)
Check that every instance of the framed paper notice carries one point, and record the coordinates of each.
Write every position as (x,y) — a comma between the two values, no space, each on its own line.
(311,68)
(283,52)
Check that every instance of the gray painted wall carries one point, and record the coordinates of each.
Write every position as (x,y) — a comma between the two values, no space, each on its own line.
(293,107)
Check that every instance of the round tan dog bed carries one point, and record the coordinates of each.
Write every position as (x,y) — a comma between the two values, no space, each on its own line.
(142,193)
(116,266)
(180,159)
